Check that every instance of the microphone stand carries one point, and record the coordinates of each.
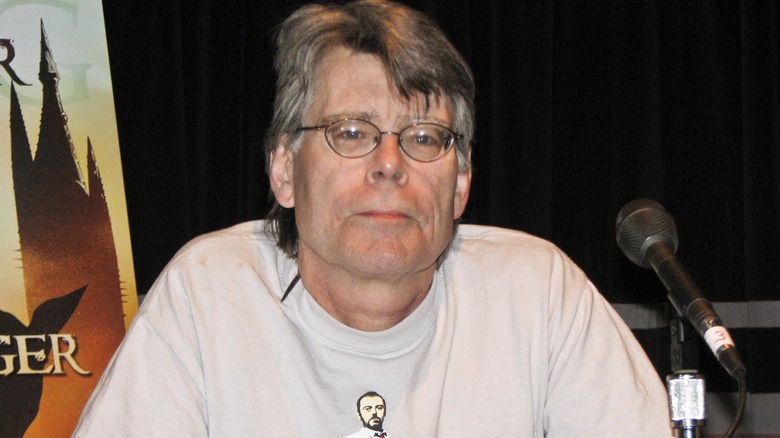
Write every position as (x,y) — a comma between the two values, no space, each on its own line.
(685,386)
(684,345)
(647,235)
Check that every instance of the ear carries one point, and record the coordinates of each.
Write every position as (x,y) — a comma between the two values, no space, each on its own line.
(462,187)
(280,174)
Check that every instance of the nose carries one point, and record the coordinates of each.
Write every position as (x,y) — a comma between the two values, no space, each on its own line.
(387,161)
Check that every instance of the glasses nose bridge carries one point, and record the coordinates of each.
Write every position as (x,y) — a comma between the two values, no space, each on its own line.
(381,135)
(397,134)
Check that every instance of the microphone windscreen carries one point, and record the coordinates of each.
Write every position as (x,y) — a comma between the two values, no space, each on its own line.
(641,223)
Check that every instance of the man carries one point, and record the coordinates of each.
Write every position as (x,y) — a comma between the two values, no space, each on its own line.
(371,412)
(361,278)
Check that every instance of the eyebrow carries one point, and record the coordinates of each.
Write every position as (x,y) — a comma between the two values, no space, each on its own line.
(369,117)
(401,121)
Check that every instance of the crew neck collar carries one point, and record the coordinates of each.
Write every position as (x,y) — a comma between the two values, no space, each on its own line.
(388,343)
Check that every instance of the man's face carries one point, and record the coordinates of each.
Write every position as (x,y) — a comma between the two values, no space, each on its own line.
(381,215)
(372,412)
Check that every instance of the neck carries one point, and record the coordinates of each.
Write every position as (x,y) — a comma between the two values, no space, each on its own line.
(364,302)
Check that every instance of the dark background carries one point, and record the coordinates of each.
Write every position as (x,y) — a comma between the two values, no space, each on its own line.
(581,107)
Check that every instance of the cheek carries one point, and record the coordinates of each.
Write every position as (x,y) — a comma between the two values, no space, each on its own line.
(317,186)
(305,183)
(443,190)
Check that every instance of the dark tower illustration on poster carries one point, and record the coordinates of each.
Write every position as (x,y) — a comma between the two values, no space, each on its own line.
(66,243)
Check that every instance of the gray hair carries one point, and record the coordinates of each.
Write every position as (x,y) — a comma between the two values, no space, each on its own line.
(416,54)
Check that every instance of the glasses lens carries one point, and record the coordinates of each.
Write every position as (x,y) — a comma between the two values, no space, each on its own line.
(426,141)
(352,138)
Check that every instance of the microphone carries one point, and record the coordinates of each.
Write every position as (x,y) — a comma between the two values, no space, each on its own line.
(647,235)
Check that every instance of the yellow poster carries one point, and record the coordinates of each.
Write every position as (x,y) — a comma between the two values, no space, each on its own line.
(67,285)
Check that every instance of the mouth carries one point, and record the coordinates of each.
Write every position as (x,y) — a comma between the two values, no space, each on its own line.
(384,215)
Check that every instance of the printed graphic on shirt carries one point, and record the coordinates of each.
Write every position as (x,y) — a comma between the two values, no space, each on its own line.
(371,411)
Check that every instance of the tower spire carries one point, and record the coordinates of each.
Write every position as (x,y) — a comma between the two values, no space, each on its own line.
(47,68)
(56,155)
(21,155)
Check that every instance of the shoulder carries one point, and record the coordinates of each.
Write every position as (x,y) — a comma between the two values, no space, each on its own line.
(362,433)
(242,245)
(484,244)
(246,236)
(510,262)
(242,257)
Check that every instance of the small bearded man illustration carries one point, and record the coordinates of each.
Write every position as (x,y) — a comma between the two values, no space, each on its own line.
(371,411)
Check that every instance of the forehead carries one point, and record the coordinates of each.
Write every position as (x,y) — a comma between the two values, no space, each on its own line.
(350,84)
(371,401)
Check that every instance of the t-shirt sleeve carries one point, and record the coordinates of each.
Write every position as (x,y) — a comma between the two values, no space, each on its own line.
(601,380)
(153,385)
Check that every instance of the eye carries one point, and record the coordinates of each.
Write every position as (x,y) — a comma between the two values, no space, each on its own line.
(352,134)
(349,134)
(423,139)
(428,136)
(350,131)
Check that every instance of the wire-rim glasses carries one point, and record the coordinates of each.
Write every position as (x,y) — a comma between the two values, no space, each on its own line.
(354,138)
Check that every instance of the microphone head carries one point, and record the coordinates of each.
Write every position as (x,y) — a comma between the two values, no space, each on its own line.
(640,223)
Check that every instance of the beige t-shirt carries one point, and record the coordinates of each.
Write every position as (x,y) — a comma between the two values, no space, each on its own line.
(511,339)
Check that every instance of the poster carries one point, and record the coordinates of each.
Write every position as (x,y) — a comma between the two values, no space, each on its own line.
(67,284)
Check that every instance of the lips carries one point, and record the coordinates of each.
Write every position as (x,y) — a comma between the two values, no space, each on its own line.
(384,215)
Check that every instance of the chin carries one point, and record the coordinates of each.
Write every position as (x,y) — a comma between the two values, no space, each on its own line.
(390,266)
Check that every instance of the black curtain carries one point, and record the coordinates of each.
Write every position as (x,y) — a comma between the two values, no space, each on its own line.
(581,107)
